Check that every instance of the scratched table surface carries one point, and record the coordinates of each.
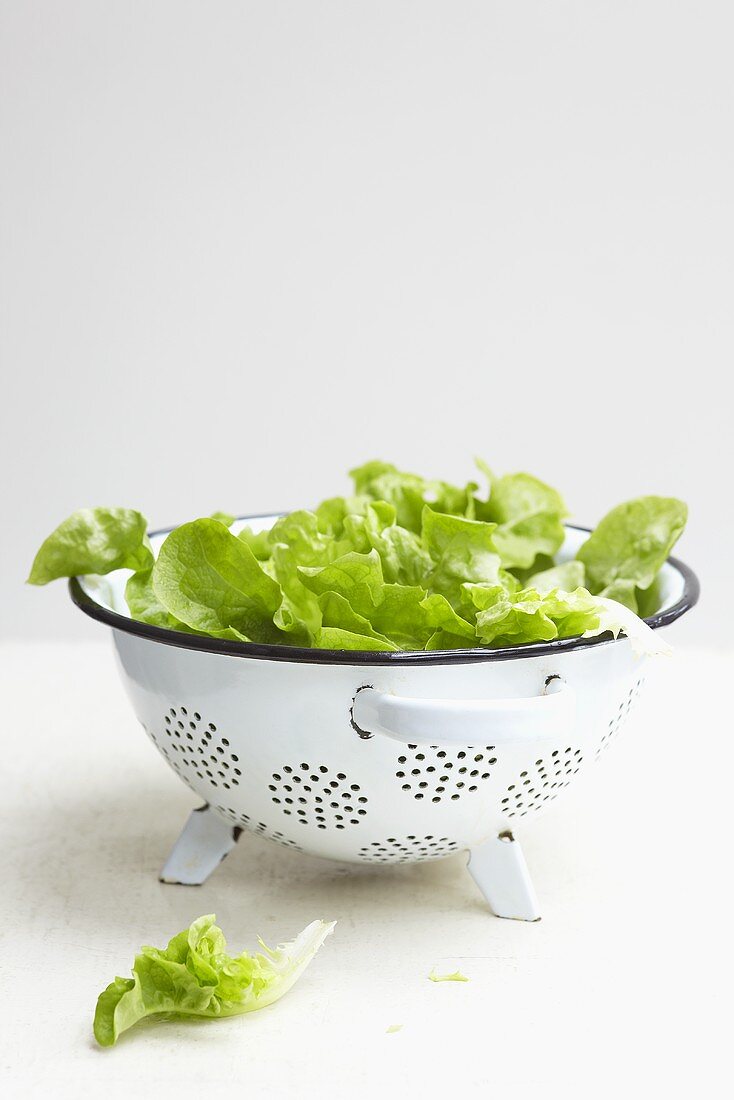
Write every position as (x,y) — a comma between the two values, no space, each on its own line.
(621,988)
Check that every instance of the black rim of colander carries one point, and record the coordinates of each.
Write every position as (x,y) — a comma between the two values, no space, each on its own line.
(299,654)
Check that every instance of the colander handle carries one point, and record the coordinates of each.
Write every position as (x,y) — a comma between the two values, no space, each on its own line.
(466,721)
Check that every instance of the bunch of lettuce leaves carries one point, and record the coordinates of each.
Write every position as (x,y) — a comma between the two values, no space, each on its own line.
(405,563)
(194,976)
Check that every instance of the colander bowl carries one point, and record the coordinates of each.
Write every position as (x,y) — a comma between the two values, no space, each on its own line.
(376,757)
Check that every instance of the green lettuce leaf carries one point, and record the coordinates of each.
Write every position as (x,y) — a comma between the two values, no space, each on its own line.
(525,576)
(224,517)
(461,550)
(568,577)
(440,615)
(93,540)
(515,621)
(480,597)
(211,581)
(193,976)
(356,577)
(296,542)
(300,531)
(410,616)
(626,550)
(300,606)
(401,616)
(624,592)
(258,541)
(339,615)
(529,517)
(403,559)
(329,637)
(648,600)
(332,513)
(457,976)
(405,563)
(574,613)
(144,604)
(408,493)
(529,616)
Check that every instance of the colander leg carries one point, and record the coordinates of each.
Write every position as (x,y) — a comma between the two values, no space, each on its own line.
(499,869)
(199,850)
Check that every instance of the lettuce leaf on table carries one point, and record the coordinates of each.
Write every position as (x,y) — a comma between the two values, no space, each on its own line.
(194,976)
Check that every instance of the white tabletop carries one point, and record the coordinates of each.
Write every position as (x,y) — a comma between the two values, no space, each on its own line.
(620,988)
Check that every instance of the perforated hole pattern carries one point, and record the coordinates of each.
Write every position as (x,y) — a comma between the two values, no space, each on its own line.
(542,782)
(161,744)
(316,796)
(407,849)
(258,827)
(195,748)
(436,774)
(618,720)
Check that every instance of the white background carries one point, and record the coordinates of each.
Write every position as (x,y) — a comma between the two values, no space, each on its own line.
(245,246)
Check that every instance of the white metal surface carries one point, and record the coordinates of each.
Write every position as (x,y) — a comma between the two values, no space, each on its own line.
(203,844)
(457,721)
(379,764)
(499,869)
(270,746)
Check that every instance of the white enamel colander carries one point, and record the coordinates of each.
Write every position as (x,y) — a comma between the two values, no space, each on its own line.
(376,757)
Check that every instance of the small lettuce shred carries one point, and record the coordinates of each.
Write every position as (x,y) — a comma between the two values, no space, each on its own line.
(194,976)
(457,976)
(405,563)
